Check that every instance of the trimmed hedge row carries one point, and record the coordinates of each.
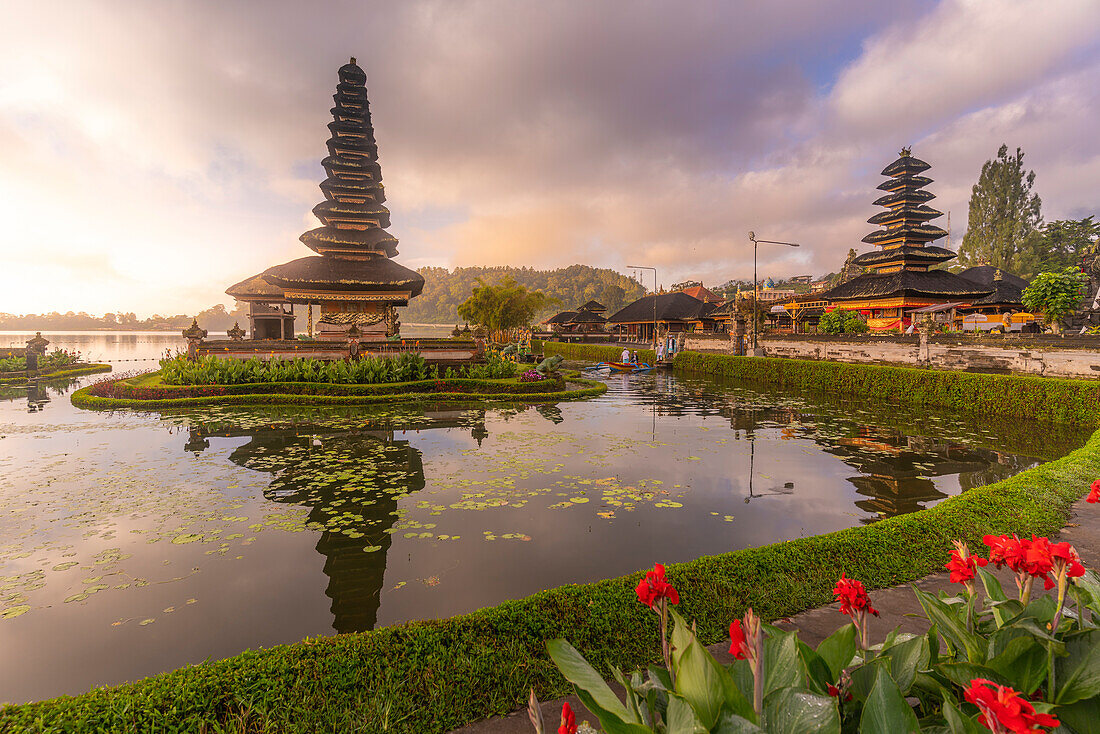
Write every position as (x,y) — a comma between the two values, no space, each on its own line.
(84,369)
(593,353)
(1017,396)
(437,675)
(127,395)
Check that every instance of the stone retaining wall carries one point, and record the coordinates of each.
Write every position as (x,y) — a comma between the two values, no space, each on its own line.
(1041,358)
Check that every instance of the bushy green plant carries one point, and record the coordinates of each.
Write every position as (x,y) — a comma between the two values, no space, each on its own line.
(369,370)
(1055,295)
(496,367)
(1012,665)
(841,321)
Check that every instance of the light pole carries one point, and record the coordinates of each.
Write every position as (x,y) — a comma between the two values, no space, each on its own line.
(756,283)
(644,267)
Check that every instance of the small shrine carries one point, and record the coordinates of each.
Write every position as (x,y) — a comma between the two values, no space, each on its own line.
(353,278)
(901,274)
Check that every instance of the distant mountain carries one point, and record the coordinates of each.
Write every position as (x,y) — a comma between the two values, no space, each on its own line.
(573,286)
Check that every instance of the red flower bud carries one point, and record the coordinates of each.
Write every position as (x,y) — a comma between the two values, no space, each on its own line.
(737,640)
(568,720)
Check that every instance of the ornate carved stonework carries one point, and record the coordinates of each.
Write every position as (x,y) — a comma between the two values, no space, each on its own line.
(236,333)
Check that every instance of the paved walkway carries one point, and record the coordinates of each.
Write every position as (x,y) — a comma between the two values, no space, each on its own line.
(1083,530)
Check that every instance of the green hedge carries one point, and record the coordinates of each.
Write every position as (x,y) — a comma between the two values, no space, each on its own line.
(1023,396)
(75,371)
(593,353)
(438,675)
(462,390)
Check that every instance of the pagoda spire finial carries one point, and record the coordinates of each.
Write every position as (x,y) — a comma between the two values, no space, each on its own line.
(905,152)
(352,60)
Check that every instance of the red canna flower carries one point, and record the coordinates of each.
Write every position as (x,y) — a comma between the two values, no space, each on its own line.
(568,720)
(1038,561)
(1094,492)
(1064,558)
(655,587)
(737,640)
(835,693)
(1005,550)
(1003,711)
(853,597)
(962,566)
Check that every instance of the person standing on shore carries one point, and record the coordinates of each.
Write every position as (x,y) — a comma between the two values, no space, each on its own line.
(625,356)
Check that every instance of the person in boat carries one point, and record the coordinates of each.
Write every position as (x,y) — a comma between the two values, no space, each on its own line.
(625,356)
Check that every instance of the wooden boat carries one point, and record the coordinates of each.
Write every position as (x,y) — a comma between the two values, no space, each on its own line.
(627,367)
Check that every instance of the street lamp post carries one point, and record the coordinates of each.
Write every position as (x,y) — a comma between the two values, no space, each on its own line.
(756,284)
(644,267)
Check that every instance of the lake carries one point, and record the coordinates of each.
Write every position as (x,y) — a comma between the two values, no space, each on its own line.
(133,543)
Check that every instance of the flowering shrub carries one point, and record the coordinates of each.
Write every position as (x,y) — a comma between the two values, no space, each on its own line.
(987,663)
(532,376)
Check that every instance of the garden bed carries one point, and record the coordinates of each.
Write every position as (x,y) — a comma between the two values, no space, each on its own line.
(149,391)
(434,676)
(71,370)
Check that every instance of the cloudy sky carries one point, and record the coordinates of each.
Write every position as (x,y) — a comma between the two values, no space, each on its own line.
(152,153)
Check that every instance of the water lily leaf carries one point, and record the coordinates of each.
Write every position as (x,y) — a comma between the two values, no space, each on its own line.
(13,612)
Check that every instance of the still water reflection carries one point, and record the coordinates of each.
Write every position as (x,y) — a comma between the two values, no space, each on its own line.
(132,543)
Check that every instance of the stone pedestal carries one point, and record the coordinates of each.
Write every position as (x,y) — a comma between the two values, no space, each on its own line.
(194,336)
(36,348)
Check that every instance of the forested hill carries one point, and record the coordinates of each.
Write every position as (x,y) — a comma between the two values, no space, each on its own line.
(573,286)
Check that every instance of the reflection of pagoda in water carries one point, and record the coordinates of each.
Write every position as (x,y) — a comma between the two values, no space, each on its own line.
(896,468)
(303,461)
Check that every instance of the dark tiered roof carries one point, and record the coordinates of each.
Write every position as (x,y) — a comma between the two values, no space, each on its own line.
(670,307)
(987,275)
(594,307)
(330,273)
(1008,289)
(917,255)
(352,213)
(905,222)
(587,317)
(904,241)
(561,318)
(254,289)
(931,283)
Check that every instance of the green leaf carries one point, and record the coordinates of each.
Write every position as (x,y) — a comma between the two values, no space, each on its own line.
(1090,583)
(781,663)
(814,669)
(992,584)
(631,699)
(951,625)
(958,722)
(610,721)
(582,675)
(698,677)
(962,673)
(799,711)
(733,724)
(1081,716)
(681,717)
(1077,675)
(1023,664)
(837,650)
(906,658)
(886,711)
(864,677)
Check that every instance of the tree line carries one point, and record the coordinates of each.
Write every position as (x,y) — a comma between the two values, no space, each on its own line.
(564,288)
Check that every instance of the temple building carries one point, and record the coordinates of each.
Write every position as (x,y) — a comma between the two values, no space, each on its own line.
(352,278)
(588,319)
(900,277)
